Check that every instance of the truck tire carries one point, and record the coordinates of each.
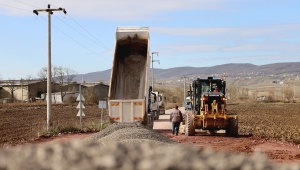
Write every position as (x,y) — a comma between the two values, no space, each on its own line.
(232,129)
(189,124)
(150,121)
(155,115)
(158,113)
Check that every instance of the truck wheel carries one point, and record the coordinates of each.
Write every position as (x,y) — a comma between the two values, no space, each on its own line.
(158,113)
(232,129)
(150,121)
(155,115)
(189,124)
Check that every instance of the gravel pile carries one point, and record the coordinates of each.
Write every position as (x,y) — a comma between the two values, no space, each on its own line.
(96,152)
(129,133)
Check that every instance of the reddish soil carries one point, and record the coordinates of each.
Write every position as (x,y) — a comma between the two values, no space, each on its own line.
(277,151)
(67,137)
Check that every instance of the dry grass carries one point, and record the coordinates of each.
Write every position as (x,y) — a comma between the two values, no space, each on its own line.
(173,94)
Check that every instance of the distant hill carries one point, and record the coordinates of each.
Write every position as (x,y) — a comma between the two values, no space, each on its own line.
(94,76)
(231,70)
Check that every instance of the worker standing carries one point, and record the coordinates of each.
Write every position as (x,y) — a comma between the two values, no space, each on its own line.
(176,118)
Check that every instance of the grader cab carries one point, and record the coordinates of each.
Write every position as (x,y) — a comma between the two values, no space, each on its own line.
(208,111)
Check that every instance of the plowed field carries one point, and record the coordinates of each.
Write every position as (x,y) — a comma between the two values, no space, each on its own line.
(23,123)
(272,128)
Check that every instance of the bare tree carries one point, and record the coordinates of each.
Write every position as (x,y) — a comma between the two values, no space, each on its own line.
(12,86)
(42,74)
(271,96)
(288,93)
(64,77)
(60,75)
(233,91)
(70,75)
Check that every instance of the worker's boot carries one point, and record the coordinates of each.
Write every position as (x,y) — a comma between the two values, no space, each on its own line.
(173,131)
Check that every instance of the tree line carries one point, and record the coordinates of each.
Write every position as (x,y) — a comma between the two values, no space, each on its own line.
(60,77)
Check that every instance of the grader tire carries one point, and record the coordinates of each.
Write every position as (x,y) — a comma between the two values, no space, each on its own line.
(232,129)
(189,125)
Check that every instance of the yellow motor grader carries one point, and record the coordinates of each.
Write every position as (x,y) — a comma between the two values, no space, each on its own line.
(208,112)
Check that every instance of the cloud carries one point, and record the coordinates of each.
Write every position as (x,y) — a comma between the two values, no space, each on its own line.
(246,31)
(259,39)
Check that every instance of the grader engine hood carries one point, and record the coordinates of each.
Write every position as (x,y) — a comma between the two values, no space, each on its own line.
(213,102)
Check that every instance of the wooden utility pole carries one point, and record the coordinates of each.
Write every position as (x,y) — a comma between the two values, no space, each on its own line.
(49,92)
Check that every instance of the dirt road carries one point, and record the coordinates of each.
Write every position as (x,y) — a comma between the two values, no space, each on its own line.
(277,151)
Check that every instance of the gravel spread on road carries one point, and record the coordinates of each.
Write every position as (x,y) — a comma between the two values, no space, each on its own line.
(129,146)
(129,133)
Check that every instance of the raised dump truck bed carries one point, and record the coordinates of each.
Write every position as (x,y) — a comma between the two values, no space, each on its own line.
(129,89)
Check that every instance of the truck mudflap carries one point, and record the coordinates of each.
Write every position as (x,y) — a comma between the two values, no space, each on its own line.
(126,110)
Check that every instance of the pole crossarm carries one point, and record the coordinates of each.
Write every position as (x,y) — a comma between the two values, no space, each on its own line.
(36,11)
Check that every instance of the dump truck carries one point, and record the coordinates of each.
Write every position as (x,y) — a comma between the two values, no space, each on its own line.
(129,91)
(208,112)
(161,103)
(155,105)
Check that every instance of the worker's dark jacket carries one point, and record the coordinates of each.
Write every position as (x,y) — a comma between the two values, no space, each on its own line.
(176,116)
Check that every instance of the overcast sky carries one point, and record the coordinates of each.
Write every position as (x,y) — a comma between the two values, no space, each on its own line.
(197,33)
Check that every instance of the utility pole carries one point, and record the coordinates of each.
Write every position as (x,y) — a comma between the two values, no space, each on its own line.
(49,92)
(153,70)
(184,89)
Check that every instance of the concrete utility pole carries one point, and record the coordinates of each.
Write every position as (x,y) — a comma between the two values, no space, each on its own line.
(184,88)
(153,70)
(49,92)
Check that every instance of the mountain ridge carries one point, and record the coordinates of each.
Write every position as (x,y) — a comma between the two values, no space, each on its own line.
(230,69)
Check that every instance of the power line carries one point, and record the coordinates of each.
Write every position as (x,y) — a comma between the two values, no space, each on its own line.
(101,44)
(77,41)
(48,3)
(15,7)
(79,32)
(26,4)
(89,33)
(62,31)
